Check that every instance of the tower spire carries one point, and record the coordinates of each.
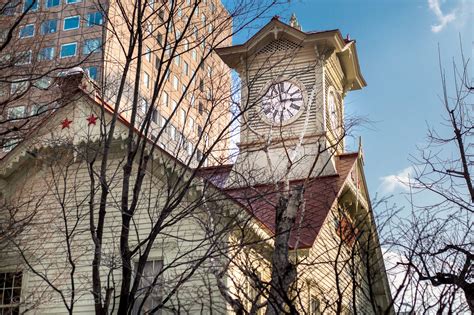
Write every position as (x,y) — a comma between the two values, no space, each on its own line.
(294,22)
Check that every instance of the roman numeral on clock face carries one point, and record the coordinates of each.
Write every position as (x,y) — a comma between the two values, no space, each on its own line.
(295,106)
(267,110)
(294,93)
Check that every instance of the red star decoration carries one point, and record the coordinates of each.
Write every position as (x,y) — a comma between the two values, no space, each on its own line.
(66,123)
(92,120)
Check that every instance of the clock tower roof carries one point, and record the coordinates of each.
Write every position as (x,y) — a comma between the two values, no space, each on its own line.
(329,40)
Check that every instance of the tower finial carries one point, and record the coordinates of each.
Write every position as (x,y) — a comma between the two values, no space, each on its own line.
(294,22)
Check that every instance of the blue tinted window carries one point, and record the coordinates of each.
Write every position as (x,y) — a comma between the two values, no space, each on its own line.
(71,23)
(27,31)
(72,1)
(49,27)
(30,5)
(92,45)
(94,18)
(52,3)
(92,72)
(68,50)
(46,53)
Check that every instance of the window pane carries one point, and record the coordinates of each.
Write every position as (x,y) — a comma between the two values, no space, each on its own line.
(10,282)
(68,50)
(43,83)
(71,23)
(23,58)
(175,82)
(150,272)
(27,31)
(46,53)
(14,113)
(30,5)
(49,27)
(165,98)
(154,115)
(92,46)
(186,68)
(19,87)
(72,1)
(148,54)
(146,80)
(92,72)
(94,18)
(52,3)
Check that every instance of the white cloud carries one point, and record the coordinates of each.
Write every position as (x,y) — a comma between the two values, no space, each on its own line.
(399,181)
(443,19)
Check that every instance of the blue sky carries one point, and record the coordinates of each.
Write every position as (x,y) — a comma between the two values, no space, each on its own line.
(397,45)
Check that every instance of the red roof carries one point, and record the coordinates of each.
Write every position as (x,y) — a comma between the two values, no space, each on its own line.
(261,200)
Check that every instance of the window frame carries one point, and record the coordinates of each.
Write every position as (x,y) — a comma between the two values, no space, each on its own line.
(159,273)
(16,117)
(33,8)
(183,115)
(146,80)
(24,27)
(185,68)
(175,82)
(43,83)
(29,54)
(70,18)
(19,89)
(51,6)
(87,50)
(148,54)
(93,22)
(53,48)
(68,44)
(314,305)
(87,70)
(49,28)
(165,99)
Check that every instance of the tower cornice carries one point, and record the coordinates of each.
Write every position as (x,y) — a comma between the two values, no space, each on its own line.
(327,42)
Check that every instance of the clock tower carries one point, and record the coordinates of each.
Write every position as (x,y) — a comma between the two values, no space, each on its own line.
(293,85)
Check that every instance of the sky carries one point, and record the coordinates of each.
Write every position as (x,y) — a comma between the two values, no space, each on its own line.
(397,44)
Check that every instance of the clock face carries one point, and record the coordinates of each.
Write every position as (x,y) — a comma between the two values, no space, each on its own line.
(333,114)
(282,101)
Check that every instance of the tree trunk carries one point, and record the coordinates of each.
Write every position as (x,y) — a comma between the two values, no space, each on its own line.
(283,271)
(469,294)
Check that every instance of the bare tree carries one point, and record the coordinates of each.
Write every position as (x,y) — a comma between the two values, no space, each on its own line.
(433,245)
(119,200)
(121,205)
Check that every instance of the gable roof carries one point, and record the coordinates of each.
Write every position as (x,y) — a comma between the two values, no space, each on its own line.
(73,87)
(319,196)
